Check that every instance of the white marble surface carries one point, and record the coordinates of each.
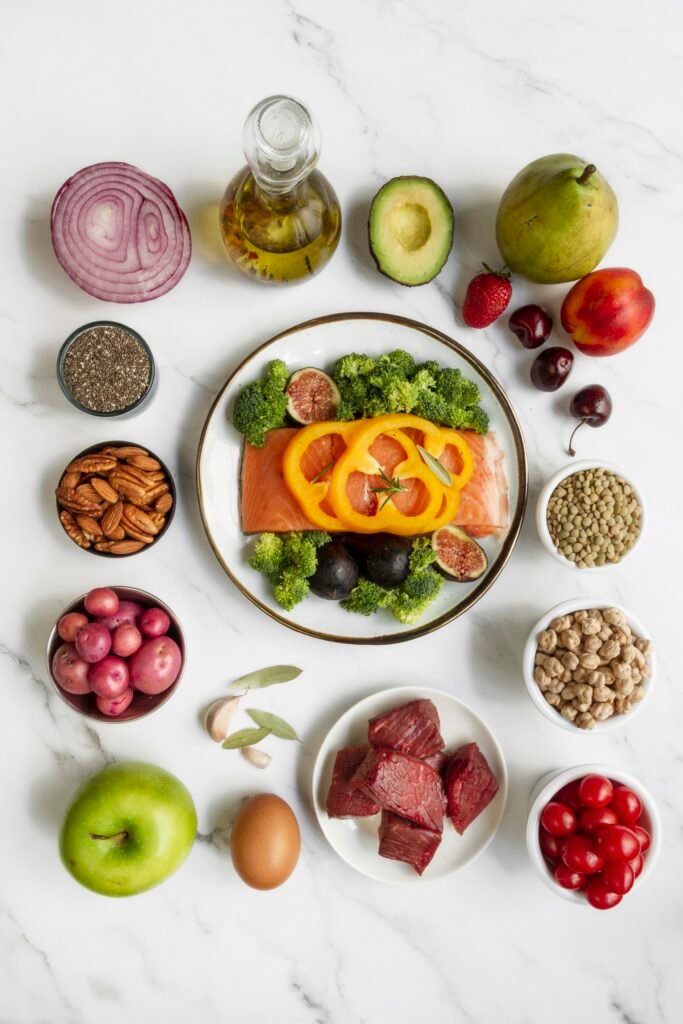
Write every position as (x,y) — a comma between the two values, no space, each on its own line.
(466,93)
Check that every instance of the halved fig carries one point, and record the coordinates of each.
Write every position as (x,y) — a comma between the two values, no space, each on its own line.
(312,396)
(458,556)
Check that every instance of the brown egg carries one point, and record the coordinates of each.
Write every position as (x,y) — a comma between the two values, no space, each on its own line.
(265,841)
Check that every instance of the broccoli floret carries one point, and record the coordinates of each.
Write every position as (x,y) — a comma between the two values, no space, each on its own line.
(422,555)
(288,560)
(366,598)
(401,361)
(415,595)
(262,405)
(353,365)
(477,420)
(430,366)
(354,396)
(268,556)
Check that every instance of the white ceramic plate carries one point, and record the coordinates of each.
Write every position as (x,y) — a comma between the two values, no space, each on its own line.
(355,839)
(320,343)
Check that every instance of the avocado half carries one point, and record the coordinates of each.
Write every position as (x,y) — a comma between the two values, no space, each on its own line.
(410,229)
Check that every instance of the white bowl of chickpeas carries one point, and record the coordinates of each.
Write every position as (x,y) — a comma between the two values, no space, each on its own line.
(590,516)
(589,665)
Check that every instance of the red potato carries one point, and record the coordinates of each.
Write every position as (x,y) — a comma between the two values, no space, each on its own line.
(70,671)
(113,706)
(129,611)
(156,665)
(126,640)
(93,642)
(70,624)
(154,622)
(101,601)
(109,677)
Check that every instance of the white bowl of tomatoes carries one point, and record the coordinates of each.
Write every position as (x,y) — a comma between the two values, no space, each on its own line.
(593,834)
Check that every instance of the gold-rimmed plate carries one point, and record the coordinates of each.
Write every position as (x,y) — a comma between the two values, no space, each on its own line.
(321,342)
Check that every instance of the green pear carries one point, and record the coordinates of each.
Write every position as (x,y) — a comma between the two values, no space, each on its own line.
(556,220)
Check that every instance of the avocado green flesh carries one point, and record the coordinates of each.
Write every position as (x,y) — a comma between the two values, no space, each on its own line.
(551,229)
(410,229)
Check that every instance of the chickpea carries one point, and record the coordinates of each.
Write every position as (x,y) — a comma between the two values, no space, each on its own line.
(591,626)
(569,692)
(569,712)
(614,616)
(547,641)
(585,720)
(554,667)
(561,623)
(592,644)
(628,653)
(569,660)
(601,712)
(570,639)
(610,650)
(624,687)
(553,699)
(589,661)
(638,694)
(541,677)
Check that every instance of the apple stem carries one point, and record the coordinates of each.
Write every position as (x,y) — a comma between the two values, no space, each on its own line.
(588,172)
(571,446)
(119,837)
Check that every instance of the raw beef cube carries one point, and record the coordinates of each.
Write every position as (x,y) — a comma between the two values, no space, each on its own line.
(404,785)
(470,786)
(412,728)
(402,840)
(344,800)
(438,761)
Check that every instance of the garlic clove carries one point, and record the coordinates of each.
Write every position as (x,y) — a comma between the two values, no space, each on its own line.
(257,757)
(218,717)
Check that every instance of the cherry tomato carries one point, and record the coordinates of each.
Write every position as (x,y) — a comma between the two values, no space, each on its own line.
(558,819)
(551,846)
(626,805)
(599,896)
(569,795)
(643,837)
(569,879)
(637,865)
(579,854)
(595,791)
(592,819)
(618,877)
(616,842)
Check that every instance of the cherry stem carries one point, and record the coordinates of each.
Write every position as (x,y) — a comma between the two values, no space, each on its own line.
(588,172)
(571,446)
(119,837)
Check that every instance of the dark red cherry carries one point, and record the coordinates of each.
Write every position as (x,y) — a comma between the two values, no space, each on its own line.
(551,368)
(532,325)
(591,405)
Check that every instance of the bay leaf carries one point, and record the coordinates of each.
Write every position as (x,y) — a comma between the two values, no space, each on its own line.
(283,730)
(439,471)
(245,738)
(266,677)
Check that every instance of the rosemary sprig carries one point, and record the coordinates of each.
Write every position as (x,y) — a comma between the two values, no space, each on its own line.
(321,474)
(393,486)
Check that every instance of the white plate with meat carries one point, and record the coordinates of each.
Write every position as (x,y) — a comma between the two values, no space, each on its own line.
(235,507)
(414,772)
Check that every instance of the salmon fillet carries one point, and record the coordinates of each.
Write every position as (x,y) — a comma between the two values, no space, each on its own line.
(267,505)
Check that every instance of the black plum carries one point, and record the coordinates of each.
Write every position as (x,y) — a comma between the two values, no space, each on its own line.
(336,574)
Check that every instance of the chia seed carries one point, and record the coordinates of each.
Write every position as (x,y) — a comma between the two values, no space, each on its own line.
(106,369)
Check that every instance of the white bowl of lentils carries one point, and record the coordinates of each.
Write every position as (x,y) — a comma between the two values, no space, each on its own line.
(590,516)
(589,673)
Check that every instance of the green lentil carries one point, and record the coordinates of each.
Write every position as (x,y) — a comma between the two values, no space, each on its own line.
(593,517)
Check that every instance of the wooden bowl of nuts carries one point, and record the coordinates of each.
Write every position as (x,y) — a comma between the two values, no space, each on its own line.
(590,516)
(588,665)
(115,499)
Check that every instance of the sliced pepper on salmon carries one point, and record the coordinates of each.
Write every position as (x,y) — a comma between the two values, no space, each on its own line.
(267,504)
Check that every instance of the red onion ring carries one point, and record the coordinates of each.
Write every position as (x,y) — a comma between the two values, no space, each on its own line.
(119,233)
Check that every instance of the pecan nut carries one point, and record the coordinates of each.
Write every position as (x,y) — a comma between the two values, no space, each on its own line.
(145,462)
(72,530)
(139,519)
(92,464)
(125,451)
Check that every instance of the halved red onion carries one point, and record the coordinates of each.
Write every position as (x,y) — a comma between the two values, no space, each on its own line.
(119,233)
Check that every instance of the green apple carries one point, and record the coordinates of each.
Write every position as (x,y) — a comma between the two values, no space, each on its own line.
(127,829)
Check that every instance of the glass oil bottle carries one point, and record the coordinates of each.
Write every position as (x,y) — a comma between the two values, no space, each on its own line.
(280,218)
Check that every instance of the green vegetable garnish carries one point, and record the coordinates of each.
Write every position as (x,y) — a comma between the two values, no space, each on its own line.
(439,471)
(407,602)
(262,405)
(288,560)
(392,486)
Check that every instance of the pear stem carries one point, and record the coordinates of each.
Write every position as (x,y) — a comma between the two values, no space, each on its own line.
(588,172)
(119,837)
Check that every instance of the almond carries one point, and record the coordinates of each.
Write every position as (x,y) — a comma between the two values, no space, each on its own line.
(126,547)
(104,489)
(90,527)
(164,504)
(144,462)
(117,534)
(112,518)
(70,481)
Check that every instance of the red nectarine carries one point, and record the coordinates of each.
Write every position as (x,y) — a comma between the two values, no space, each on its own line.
(607,311)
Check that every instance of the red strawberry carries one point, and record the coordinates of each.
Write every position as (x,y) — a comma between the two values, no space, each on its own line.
(487,297)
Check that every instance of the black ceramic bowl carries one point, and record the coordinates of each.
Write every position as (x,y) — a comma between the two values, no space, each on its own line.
(95,449)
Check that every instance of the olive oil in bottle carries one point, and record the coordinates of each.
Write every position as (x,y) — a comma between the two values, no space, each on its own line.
(280,218)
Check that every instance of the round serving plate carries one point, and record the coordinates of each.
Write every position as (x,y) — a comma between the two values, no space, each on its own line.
(320,343)
(356,839)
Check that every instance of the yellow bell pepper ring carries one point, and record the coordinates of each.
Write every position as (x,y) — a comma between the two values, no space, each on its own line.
(309,494)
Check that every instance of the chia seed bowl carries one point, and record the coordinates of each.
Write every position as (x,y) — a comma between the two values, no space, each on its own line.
(106,369)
